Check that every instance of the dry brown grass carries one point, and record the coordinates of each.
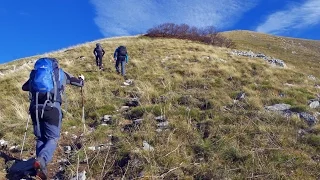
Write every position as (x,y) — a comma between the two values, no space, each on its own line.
(224,141)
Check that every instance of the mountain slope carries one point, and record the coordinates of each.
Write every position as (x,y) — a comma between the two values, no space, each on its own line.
(301,53)
(211,134)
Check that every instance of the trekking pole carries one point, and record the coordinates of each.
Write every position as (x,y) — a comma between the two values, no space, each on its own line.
(83,119)
(25,135)
(84,127)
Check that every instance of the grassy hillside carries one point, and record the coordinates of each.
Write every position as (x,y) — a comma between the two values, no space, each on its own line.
(302,54)
(210,136)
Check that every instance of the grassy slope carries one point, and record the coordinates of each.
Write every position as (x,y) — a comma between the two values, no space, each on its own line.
(209,136)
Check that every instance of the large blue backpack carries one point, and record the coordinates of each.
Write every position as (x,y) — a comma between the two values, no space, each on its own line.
(46,84)
(47,78)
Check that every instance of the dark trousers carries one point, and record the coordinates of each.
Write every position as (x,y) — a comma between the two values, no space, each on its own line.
(99,60)
(123,66)
(50,126)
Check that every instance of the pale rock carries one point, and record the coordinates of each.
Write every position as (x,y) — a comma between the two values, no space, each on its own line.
(67,149)
(80,176)
(314,104)
(163,124)
(278,107)
(147,146)
(3,143)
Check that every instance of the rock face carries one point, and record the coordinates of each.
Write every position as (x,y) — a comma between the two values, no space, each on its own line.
(272,61)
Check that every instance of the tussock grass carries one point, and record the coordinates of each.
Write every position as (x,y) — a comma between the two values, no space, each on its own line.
(194,86)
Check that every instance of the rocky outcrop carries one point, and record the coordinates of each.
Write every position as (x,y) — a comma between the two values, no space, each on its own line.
(271,60)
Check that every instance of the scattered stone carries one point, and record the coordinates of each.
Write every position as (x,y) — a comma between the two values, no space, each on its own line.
(107,117)
(314,104)
(98,147)
(63,161)
(74,137)
(3,143)
(82,57)
(92,148)
(124,108)
(137,121)
(272,61)
(302,132)
(311,77)
(316,158)
(133,102)
(310,119)
(106,120)
(160,118)
(14,148)
(278,107)
(240,96)
(147,146)
(288,84)
(67,149)
(128,82)
(159,130)
(163,125)
(80,176)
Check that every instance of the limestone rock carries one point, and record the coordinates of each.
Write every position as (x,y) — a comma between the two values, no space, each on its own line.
(278,107)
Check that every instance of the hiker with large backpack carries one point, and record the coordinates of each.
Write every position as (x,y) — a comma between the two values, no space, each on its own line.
(99,53)
(46,86)
(121,57)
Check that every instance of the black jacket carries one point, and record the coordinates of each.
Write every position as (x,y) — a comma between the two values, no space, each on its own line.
(98,51)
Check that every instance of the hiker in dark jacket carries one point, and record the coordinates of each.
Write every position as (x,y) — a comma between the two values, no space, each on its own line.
(99,53)
(47,120)
(121,57)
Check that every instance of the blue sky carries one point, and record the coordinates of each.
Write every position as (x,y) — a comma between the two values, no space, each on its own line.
(36,26)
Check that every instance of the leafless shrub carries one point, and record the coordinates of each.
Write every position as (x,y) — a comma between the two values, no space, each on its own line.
(208,35)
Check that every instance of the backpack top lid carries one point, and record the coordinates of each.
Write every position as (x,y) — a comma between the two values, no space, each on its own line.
(51,63)
(42,77)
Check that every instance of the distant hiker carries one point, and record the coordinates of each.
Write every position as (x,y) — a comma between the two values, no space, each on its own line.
(121,57)
(46,86)
(99,53)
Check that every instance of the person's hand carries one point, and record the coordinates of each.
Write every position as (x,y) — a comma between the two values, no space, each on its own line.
(81,77)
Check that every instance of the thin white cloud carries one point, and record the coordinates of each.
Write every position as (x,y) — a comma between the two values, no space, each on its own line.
(127,17)
(296,17)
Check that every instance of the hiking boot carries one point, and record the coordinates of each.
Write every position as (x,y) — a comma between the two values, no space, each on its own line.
(40,167)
